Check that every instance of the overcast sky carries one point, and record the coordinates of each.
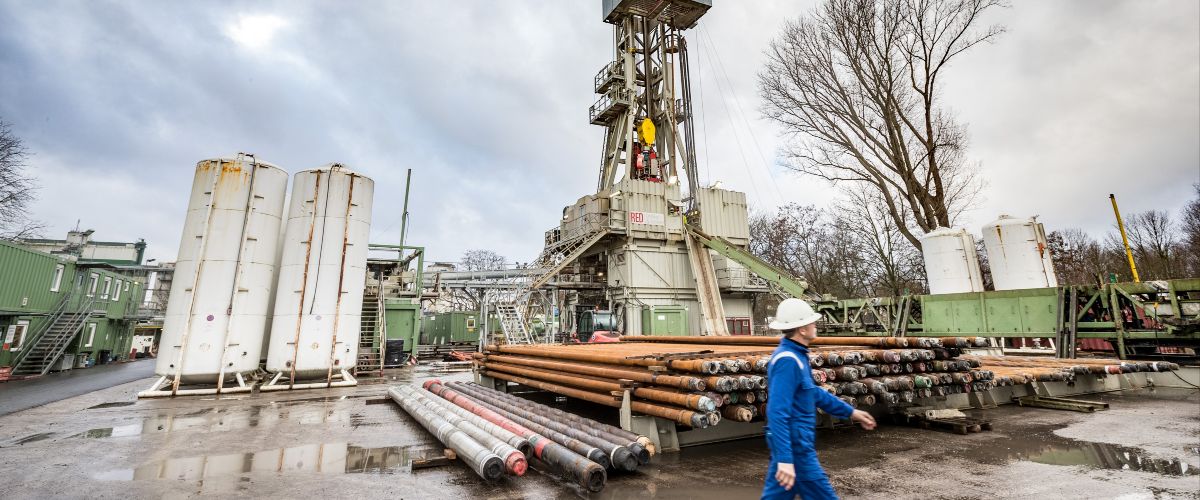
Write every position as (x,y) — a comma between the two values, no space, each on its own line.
(487,102)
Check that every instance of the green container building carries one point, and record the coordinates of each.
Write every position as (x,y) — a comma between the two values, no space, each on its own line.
(38,288)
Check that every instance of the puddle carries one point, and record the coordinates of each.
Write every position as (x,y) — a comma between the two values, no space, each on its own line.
(33,438)
(112,405)
(1107,456)
(225,419)
(379,401)
(327,458)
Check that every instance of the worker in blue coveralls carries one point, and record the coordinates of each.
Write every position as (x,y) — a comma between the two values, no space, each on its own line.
(792,402)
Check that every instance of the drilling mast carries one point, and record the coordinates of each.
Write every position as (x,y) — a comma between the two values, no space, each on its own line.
(641,106)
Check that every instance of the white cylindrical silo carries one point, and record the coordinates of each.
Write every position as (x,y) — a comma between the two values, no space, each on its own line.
(951,264)
(1017,254)
(218,313)
(318,303)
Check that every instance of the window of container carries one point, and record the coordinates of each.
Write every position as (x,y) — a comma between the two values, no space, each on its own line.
(16,335)
(92,285)
(117,292)
(58,275)
(107,287)
(91,334)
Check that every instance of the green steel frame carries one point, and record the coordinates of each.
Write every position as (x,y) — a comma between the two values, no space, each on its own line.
(1135,317)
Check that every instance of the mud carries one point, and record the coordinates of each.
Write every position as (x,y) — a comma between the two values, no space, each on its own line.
(354,442)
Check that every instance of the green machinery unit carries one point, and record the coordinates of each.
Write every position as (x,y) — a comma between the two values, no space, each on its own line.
(664,320)
(1136,318)
(453,327)
(391,310)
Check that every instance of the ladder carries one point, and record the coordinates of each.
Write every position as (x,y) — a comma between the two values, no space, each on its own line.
(371,341)
(62,328)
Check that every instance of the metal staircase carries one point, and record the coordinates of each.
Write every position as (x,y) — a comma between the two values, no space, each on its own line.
(512,322)
(372,335)
(563,246)
(60,330)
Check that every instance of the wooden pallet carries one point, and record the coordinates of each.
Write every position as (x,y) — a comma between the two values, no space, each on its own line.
(958,425)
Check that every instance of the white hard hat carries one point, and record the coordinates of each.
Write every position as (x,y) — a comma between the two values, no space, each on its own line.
(793,313)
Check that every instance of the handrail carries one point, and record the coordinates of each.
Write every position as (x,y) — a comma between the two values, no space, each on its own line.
(78,319)
(52,319)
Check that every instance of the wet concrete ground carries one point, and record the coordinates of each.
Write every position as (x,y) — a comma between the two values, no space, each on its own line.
(355,443)
(17,395)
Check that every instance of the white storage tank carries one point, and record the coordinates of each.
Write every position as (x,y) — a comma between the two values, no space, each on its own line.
(218,314)
(318,304)
(951,264)
(1017,254)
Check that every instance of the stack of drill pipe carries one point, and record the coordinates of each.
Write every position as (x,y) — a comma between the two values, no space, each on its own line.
(618,455)
(641,446)
(587,473)
(677,377)
(485,463)
(508,436)
(514,459)
(578,446)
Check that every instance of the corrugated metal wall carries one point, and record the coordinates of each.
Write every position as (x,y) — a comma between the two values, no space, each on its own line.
(26,277)
(724,213)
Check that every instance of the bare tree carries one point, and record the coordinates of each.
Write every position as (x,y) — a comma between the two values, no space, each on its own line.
(837,254)
(1079,259)
(17,189)
(1152,239)
(892,266)
(481,260)
(856,84)
(1190,245)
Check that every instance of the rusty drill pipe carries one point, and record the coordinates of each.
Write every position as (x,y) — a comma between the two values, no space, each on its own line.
(693,401)
(477,456)
(721,383)
(747,340)
(606,371)
(686,417)
(587,473)
(514,459)
(618,455)
(738,413)
(641,446)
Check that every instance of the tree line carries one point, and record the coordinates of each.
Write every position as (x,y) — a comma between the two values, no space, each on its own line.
(850,250)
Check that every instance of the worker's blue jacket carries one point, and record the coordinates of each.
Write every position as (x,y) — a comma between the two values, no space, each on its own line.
(792,402)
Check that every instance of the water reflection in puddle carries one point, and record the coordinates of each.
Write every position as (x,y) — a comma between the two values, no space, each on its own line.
(327,458)
(216,420)
(1106,456)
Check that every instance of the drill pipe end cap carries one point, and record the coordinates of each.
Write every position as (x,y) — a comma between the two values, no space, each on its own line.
(516,463)
(706,404)
(492,468)
(648,444)
(640,452)
(595,479)
(699,420)
(623,459)
(598,456)
(430,382)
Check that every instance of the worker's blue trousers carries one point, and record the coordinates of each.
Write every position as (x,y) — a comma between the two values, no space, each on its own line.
(807,490)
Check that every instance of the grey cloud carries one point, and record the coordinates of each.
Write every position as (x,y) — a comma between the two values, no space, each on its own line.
(487,102)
